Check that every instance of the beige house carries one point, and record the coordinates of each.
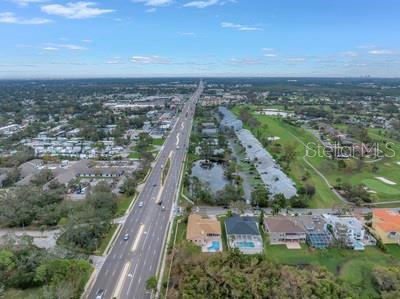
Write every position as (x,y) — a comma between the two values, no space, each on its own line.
(284,230)
(386,225)
(204,232)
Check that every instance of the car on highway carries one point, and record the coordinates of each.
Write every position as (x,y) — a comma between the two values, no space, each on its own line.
(126,237)
(155,185)
(163,208)
(140,204)
(100,294)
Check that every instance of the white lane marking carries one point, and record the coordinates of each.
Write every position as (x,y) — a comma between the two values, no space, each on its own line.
(138,236)
(121,280)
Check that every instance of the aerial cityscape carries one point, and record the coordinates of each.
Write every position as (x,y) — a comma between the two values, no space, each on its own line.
(199,149)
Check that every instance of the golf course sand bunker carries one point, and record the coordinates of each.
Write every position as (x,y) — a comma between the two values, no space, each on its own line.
(386,181)
(398,163)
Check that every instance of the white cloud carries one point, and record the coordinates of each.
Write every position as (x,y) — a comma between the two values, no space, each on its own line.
(366,46)
(201,4)
(72,47)
(75,10)
(155,3)
(11,18)
(153,59)
(267,49)
(51,49)
(27,2)
(87,41)
(187,34)
(114,60)
(244,61)
(381,52)
(206,3)
(350,54)
(240,27)
(56,47)
(270,55)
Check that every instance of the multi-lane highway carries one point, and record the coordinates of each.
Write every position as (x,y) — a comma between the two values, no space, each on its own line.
(131,262)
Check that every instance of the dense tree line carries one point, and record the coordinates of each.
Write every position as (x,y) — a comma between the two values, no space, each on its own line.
(23,265)
(31,205)
(89,222)
(234,275)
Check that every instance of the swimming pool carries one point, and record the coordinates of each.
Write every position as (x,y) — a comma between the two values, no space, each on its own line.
(214,246)
(245,244)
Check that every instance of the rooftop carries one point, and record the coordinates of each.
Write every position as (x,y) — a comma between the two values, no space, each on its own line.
(199,226)
(386,219)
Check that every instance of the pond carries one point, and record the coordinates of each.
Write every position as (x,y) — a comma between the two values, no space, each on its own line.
(212,175)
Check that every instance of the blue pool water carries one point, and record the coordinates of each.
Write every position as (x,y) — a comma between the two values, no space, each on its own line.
(214,246)
(245,244)
(358,245)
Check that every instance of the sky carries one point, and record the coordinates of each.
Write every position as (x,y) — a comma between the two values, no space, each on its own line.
(199,38)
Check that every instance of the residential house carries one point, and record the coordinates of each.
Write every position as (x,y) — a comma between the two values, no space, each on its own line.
(243,233)
(204,232)
(347,230)
(316,228)
(386,225)
(284,230)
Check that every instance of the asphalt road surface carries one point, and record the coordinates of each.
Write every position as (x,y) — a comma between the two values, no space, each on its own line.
(131,262)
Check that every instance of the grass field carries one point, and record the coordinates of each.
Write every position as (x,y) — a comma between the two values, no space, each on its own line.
(158,141)
(324,197)
(123,204)
(134,155)
(352,266)
(387,167)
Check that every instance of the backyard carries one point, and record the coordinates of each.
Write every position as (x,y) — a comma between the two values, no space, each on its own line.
(352,266)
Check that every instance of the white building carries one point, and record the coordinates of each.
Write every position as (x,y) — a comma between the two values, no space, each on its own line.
(347,228)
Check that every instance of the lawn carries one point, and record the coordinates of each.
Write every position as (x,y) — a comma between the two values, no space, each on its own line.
(158,141)
(123,204)
(352,266)
(381,187)
(134,155)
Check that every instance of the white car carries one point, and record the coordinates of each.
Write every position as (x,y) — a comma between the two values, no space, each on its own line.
(140,204)
(126,237)
(100,294)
